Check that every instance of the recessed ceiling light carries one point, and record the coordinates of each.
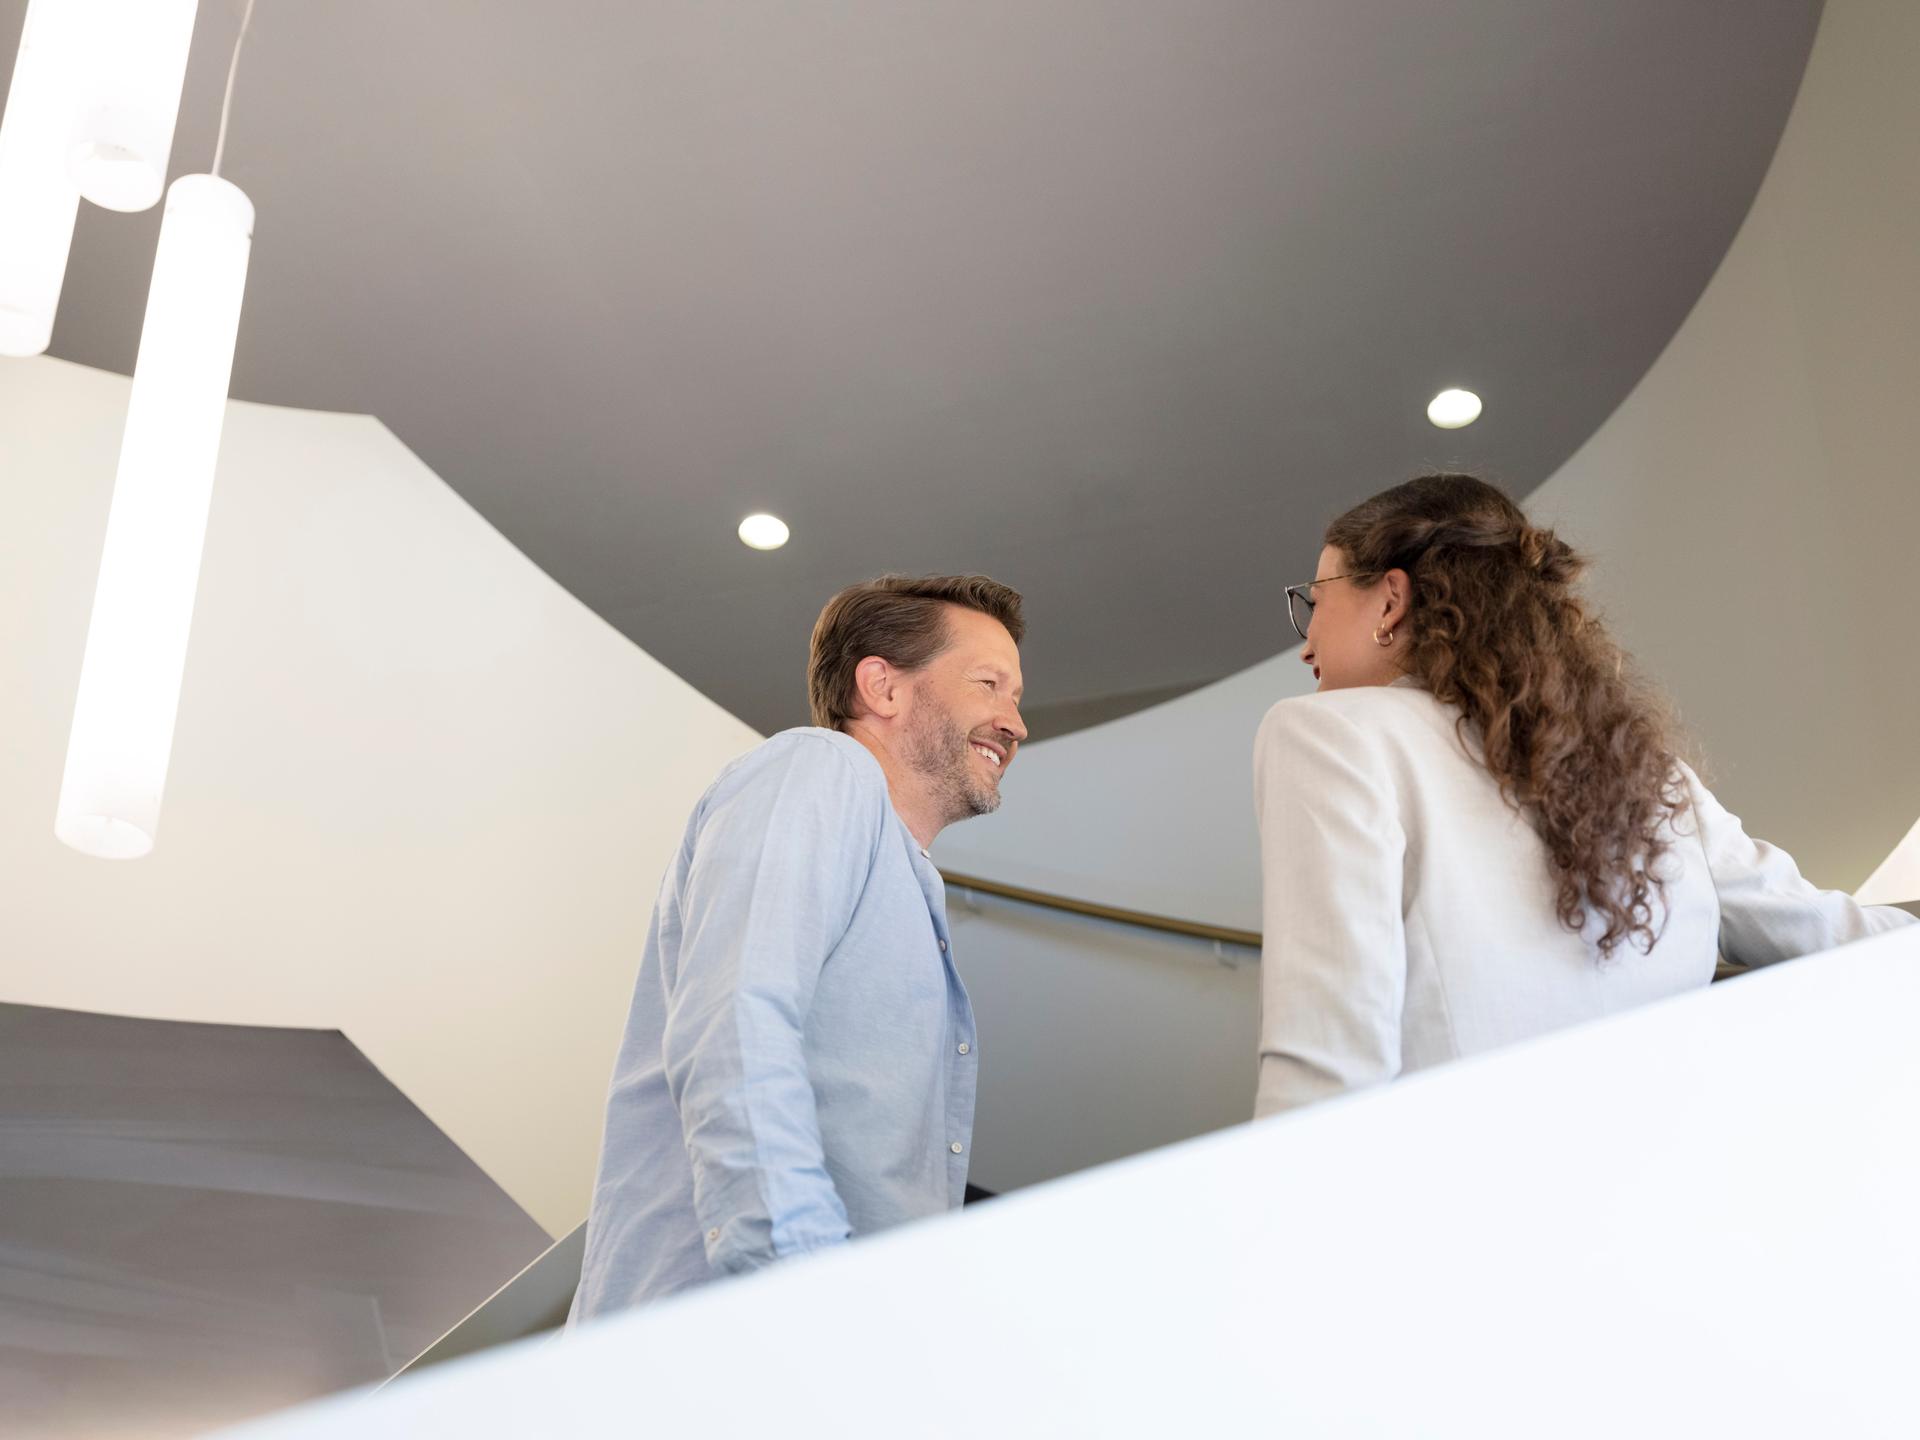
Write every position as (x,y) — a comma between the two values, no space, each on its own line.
(764,532)
(1451,409)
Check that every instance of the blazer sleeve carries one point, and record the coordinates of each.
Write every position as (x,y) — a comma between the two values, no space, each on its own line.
(1768,910)
(1333,966)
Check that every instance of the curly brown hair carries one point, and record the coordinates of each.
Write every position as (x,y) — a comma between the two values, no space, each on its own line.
(1580,745)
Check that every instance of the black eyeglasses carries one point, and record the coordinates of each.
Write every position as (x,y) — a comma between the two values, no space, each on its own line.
(1300,599)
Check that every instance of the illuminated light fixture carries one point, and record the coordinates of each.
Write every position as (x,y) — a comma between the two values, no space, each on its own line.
(1451,409)
(143,606)
(764,532)
(123,720)
(37,197)
(133,65)
(1897,880)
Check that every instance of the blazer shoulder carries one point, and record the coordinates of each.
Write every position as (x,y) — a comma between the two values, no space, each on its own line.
(1367,709)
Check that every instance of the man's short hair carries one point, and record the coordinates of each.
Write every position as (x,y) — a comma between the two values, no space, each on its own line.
(902,620)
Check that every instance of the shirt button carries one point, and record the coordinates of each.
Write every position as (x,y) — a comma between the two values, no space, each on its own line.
(965,1049)
(713,1234)
(943,947)
(956,1147)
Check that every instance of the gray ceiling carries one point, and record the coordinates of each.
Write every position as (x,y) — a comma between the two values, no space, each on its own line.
(1116,300)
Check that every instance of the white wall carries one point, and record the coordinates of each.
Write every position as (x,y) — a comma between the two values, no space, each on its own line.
(419,793)
(1097,1040)
(1754,507)
(1648,1225)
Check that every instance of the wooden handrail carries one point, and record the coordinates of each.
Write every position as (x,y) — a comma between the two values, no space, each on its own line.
(1166,924)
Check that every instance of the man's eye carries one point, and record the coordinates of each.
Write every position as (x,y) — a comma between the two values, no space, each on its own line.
(990,684)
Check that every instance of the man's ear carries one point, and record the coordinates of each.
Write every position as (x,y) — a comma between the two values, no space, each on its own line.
(878,685)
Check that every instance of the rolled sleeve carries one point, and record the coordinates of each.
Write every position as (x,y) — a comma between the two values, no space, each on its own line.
(1768,910)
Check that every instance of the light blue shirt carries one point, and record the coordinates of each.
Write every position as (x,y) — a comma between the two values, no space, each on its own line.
(799,1061)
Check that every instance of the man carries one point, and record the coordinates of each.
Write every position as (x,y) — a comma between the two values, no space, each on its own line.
(798,1067)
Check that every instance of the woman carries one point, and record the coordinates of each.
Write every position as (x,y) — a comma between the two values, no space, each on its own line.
(1478,829)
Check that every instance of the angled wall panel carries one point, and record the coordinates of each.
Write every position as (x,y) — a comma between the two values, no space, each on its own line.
(202,1222)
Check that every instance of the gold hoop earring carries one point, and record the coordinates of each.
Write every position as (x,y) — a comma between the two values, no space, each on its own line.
(1378,641)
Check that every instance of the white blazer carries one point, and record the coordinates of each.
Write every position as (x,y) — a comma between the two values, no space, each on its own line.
(1409,915)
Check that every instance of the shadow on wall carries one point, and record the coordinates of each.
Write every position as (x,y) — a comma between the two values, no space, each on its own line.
(204,1222)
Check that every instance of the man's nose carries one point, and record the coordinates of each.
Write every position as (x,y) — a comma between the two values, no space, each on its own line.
(1011,726)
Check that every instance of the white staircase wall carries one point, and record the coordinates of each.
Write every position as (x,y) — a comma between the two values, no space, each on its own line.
(419,793)
(1645,1225)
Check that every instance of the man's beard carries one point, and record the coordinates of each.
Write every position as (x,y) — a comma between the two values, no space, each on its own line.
(941,751)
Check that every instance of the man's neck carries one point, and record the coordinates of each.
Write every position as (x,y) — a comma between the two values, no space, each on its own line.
(904,788)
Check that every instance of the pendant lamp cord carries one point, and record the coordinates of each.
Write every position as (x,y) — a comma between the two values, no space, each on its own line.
(226,104)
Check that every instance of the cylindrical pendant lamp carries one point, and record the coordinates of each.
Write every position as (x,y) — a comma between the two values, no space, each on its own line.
(37,195)
(132,66)
(143,605)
